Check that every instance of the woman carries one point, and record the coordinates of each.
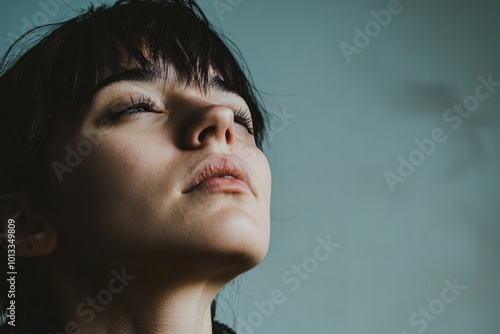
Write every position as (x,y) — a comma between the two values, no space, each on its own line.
(131,172)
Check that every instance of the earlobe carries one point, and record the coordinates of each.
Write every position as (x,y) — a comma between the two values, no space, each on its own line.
(32,234)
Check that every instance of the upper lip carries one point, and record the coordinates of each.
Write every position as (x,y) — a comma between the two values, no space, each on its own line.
(217,166)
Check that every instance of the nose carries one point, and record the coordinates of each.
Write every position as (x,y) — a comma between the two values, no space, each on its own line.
(213,125)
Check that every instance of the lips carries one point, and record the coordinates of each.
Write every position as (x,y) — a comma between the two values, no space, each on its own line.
(224,168)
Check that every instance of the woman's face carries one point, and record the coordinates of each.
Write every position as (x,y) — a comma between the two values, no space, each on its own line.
(124,189)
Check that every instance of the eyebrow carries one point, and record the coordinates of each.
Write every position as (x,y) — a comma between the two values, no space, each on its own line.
(215,82)
(134,74)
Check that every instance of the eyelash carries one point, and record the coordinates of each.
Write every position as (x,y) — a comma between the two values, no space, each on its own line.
(245,119)
(142,102)
(149,105)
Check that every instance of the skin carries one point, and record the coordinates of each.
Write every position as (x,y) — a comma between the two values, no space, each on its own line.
(123,207)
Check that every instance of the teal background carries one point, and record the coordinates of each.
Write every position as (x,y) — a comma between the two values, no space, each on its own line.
(345,125)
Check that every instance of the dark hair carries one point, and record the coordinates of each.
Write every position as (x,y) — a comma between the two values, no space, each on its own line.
(59,74)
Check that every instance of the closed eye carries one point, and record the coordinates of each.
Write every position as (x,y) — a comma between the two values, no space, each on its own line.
(141,104)
(243,117)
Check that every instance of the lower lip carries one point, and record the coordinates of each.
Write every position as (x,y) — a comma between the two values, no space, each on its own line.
(222,184)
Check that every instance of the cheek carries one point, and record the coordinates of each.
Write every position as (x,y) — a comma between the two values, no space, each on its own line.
(259,163)
(121,167)
(263,173)
(108,197)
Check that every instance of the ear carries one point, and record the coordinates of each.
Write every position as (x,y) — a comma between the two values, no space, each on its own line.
(30,232)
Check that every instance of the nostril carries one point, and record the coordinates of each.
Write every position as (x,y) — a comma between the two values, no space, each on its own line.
(204,132)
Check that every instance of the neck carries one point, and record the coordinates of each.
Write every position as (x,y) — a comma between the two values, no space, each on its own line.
(133,302)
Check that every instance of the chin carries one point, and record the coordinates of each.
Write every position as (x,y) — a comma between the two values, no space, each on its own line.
(239,241)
